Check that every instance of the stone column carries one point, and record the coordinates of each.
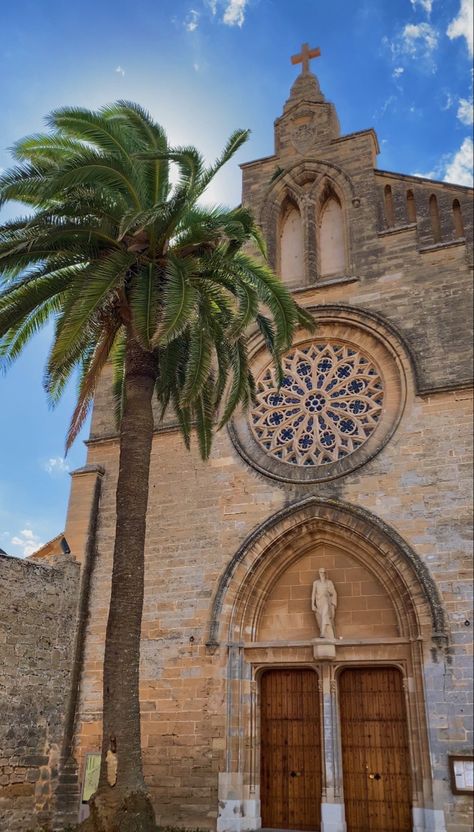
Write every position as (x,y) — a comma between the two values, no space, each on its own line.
(82,504)
(308,216)
(332,801)
(238,794)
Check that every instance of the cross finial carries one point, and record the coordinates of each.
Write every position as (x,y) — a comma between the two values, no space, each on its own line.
(305,56)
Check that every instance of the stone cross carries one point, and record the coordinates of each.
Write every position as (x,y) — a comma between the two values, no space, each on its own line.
(305,56)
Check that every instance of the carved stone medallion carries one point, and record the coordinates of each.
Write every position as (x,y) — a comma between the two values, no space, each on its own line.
(303,131)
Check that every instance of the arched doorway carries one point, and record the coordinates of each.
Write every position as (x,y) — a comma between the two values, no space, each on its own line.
(388,616)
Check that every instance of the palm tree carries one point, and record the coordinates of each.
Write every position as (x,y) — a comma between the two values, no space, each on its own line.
(134,271)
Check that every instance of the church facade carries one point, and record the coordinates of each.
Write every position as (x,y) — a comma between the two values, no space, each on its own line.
(306,656)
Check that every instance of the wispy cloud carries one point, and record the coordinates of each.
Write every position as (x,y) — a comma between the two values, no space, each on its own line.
(398,71)
(426,5)
(448,101)
(465,111)
(419,39)
(191,21)
(56,465)
(462,26)
(456,167)
(120,70)
(459,169)
(234,14)
(415,44)
(26,542)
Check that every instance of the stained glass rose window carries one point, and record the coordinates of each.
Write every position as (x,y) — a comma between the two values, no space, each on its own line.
(329,402)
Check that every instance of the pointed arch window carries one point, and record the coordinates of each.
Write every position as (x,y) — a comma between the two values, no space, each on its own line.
(457,219)
(332,242)
(291,245)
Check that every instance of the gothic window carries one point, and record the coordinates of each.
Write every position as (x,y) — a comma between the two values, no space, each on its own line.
(388,203)
(329,403)
(434,217)
(332,249)
(457,219)
(411,207)
(291,245)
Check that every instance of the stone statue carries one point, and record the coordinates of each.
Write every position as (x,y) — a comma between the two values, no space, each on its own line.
(323,604)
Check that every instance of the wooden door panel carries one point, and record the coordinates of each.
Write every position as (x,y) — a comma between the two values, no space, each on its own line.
(376,764)
(290,750)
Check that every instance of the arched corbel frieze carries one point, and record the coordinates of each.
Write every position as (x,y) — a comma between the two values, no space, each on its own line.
(414,590)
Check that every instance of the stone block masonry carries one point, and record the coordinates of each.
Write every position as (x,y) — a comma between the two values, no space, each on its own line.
(37,628)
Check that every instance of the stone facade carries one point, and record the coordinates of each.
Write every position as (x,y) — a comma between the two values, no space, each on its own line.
(37,629)
(234,545)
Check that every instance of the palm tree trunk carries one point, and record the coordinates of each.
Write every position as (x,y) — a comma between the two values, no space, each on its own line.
(121,802)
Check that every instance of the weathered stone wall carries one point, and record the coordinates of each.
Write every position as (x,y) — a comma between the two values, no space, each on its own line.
(37,627)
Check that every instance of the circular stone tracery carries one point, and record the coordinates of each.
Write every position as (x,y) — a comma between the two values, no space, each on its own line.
(328,404)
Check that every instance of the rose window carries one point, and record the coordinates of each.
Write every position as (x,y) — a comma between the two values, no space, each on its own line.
(328,404)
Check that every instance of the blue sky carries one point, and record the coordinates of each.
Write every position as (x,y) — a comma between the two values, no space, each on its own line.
(204,68)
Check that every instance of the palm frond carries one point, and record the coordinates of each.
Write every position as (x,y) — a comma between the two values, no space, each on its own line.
(179,299)
(91,370)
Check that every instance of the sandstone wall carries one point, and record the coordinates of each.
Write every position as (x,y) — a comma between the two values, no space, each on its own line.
(199,514)
(37,627)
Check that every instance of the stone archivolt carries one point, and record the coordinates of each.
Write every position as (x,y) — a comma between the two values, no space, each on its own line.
(310,531)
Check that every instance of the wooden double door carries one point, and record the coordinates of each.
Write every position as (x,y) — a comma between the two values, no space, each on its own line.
(375,757)
(375,753)
(290,774)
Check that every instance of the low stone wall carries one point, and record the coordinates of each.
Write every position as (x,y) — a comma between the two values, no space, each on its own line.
(37,628)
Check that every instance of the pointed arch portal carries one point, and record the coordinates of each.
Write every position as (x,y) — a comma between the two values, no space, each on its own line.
(389,624)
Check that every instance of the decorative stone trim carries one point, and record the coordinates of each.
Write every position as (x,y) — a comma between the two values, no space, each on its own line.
(397,229)
(460,241)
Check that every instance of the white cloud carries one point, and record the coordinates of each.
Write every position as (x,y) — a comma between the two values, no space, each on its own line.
(212,4)
(234,14)
(120,71)
(454,167)
(419,39)
(426,5)
(56,465)
(465,111)
(462,26)
(459,169)
(196,67)
(191,22)
(27,542)
(416,42)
